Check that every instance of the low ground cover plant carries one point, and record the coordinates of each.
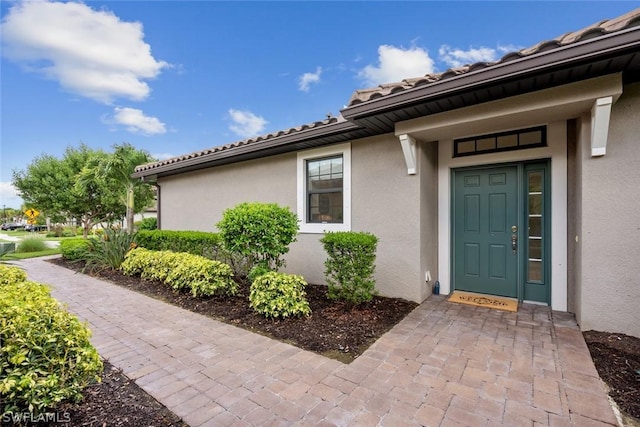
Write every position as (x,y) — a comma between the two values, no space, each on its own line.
(350,265)
(260,232)
(181,270)
(279,295)
(45,354)
(11,274)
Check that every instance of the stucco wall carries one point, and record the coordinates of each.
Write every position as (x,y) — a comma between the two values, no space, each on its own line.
(428,170)
(196,200)
(385,202)
(610,230)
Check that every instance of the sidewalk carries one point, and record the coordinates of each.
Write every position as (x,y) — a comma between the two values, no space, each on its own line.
(444,365)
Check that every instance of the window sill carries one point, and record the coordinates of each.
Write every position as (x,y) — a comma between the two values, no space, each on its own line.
(319,228)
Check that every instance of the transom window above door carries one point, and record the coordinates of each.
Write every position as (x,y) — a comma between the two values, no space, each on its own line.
(324,189)
(503,141)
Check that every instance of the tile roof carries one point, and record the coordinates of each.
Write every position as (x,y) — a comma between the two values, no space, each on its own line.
(627,20)
(604,27)
(249,141)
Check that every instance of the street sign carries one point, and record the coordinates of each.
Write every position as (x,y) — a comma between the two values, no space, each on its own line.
(31,213)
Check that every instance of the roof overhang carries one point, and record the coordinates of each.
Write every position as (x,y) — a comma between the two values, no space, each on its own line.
(606,54)
(340,131)
(548,105)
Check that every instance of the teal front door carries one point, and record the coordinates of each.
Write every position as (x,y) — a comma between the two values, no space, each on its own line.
(485,231)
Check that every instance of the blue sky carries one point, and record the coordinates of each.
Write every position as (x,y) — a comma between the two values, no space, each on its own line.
(173,77)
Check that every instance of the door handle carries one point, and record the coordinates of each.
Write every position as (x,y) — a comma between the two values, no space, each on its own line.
(514,242)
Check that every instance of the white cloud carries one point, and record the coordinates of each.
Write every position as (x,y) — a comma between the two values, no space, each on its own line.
(135,121)
(9,196)
(163,156)
(91,53)
(395,64)
(454,57)
(246,124)
(308,78)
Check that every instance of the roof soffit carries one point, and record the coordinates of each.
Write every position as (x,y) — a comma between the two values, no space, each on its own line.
(540,107)
(625,42)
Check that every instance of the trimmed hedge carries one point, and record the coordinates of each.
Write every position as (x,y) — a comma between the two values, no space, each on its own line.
(181,270)
(350,265)
(45,355)
(201,243)
(74,249)
(147,224)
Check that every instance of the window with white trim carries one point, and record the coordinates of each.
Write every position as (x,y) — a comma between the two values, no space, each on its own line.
(324,189)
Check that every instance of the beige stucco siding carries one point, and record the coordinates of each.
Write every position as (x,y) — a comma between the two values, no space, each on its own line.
(385,201)
(196,200)
(608,281)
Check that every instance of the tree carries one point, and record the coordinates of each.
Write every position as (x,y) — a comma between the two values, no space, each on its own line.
(50,184)
(118,167)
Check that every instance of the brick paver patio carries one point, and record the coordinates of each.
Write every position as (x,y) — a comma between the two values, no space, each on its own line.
(444,365)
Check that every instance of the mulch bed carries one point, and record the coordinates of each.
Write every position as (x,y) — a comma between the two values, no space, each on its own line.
(617,360)
(116,402)
(334,328)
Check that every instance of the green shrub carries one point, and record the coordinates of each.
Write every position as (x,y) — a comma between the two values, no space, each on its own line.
(73,249)
(109,250)
(45,354)
(257,271)
(279,295)
(31,244)
(10,274)
(180,270)
(7,248)
(201,243)
(261,232)
(203,276)
(206,244)
(60,231)
(147,224)
(350,265)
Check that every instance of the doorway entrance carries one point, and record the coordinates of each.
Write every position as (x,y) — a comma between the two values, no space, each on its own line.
(500,223)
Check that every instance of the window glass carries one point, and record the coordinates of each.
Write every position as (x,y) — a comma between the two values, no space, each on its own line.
(325,190)
(466,146)
(530,138)
(486,144)
(504,141)
(535,211)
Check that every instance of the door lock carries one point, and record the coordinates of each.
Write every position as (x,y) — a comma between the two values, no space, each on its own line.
(514,242)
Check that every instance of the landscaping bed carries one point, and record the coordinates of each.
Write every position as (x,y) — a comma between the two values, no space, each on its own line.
(617,360)
(337,330)
(334,328)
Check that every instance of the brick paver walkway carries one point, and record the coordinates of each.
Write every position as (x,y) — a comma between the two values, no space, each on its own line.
(443,365)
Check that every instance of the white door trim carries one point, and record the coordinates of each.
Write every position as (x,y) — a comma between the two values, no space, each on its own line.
(556,151)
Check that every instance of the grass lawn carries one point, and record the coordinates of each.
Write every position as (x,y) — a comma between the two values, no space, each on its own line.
(25,255)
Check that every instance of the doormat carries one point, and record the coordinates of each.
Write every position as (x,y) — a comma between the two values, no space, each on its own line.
(489,301)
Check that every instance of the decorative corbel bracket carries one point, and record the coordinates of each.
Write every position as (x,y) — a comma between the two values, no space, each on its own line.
(600,115)
(408,144)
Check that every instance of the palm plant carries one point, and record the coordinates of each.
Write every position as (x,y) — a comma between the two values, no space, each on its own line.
(117,168)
